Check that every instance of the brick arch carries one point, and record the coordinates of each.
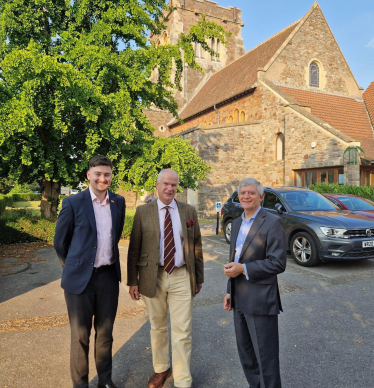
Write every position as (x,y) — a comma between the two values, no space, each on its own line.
(279,146)
(236,115)
(242,115)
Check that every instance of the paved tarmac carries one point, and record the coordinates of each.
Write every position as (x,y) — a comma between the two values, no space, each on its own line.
(326,331)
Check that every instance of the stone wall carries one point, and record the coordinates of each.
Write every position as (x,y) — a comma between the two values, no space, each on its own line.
(314,41)
(239,150)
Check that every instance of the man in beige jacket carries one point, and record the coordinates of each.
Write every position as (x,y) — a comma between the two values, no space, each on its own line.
(165,265)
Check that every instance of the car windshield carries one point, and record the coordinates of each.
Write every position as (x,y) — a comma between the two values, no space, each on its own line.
(354,203)
(307,201)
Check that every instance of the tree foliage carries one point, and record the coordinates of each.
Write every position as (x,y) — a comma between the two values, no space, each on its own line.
(74,82)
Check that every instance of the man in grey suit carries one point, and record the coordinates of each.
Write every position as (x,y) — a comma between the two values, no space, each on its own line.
(257,254)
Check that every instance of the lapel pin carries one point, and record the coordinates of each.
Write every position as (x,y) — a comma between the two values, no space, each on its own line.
(111,200)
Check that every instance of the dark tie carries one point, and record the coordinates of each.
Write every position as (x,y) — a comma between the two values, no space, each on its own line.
(169,247)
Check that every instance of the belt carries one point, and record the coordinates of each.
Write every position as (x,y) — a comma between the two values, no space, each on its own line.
(103,268)
(162,266)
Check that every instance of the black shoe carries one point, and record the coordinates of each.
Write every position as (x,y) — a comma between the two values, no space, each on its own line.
(107,385)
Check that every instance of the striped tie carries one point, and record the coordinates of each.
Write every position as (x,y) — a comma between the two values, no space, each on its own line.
(169,247)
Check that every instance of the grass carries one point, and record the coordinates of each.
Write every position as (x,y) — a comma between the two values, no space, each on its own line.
(26,204)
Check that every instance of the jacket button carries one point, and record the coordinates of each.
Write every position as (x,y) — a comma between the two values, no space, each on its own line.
(95,247)
(92,263)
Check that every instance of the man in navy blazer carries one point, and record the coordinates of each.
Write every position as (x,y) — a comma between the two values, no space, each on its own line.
(88,230)
(257,255)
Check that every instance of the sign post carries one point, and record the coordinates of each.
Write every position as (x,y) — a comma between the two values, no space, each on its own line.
(218,210)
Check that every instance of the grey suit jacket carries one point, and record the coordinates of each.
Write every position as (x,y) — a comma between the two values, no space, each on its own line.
(264,255)
(144,248)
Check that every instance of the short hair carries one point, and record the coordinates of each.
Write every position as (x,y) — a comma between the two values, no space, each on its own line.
(162,171)
(254,182)
(100,160)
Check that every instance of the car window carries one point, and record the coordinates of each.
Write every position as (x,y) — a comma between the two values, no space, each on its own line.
(354,203)
(235,198)
(307,201)
(335,202)
(270,200)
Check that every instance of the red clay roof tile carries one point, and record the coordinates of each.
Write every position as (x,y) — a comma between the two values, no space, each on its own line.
(345,114)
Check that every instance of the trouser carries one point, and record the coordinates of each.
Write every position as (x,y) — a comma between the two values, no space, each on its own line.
(174,289)
(258,346)
(98,300)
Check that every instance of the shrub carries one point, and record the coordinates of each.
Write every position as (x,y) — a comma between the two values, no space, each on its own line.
(3,204)
(26,230)
(26,197)
(127,228)
(18,189)
(363,191)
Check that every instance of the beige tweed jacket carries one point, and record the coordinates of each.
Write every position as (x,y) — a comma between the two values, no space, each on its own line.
(144,248)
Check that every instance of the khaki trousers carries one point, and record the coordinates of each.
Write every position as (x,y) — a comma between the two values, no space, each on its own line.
(174,289)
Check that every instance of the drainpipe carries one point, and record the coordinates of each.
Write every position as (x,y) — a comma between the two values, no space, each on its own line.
(284,152)
(185,82)
(218,115)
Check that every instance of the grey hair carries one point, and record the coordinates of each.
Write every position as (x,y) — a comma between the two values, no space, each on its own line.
(254,182)
(162,171)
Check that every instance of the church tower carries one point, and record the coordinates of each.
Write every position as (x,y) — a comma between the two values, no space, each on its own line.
(184,15)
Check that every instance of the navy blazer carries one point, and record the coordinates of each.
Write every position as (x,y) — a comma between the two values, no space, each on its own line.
(75,238)
(264,254)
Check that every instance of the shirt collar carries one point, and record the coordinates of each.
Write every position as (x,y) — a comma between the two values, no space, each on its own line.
(253,217)
(94,196)
(161,205)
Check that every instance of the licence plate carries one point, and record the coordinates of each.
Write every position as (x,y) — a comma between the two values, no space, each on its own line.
(368,244)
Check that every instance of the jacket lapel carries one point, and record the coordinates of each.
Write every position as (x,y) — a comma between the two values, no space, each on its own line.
(88,207)
(235,227)
(113,211)
(155,218)
(258,221)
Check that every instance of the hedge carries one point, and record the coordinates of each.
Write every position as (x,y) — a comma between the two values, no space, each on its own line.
(26,197)
(363,191)
(28,229)
(5,201)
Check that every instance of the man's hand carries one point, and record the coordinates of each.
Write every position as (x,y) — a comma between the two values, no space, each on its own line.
(134,292)
(226,302)
(232,270)
(198,287)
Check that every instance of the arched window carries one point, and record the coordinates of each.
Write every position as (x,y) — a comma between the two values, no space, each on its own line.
(164,38)
(314,75)
(158,43)
(229,119)
(212,44)
(280,147)
(205,123)
(218,50)
(196,50)
(236,115)
(242,115)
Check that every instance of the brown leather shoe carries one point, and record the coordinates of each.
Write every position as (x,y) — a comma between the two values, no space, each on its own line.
(157,380)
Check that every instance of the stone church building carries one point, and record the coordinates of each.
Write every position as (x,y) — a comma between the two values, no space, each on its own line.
(287,112)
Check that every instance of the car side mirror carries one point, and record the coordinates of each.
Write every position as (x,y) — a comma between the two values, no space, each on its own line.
(280,208)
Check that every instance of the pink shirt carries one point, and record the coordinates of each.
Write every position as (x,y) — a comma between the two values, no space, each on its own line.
(103,217)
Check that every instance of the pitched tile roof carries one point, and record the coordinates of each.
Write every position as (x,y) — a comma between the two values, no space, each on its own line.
(369,101)
(237,77)
(346,114)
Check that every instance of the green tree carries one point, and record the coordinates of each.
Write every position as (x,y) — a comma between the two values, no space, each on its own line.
(74,82)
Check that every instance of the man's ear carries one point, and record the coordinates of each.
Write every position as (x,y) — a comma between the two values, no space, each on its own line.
(88,175)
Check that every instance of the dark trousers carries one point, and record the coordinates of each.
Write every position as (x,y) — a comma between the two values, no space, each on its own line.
(258,346)
(98,300)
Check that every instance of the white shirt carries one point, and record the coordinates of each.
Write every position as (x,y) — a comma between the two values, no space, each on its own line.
(177,231)
(103,218)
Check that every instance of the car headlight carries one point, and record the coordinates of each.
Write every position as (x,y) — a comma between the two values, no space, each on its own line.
(333,232)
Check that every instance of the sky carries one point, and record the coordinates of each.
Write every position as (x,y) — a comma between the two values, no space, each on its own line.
(351,21)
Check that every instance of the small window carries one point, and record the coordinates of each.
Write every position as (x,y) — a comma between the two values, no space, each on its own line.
(164,38)
(229,120)
(280,147)
(314,75)
(196,50)
(242,116)
(212,47)
(218,50)
(236,116)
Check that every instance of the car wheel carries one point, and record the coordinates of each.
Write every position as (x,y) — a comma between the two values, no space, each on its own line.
(304,250)
(227,230)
